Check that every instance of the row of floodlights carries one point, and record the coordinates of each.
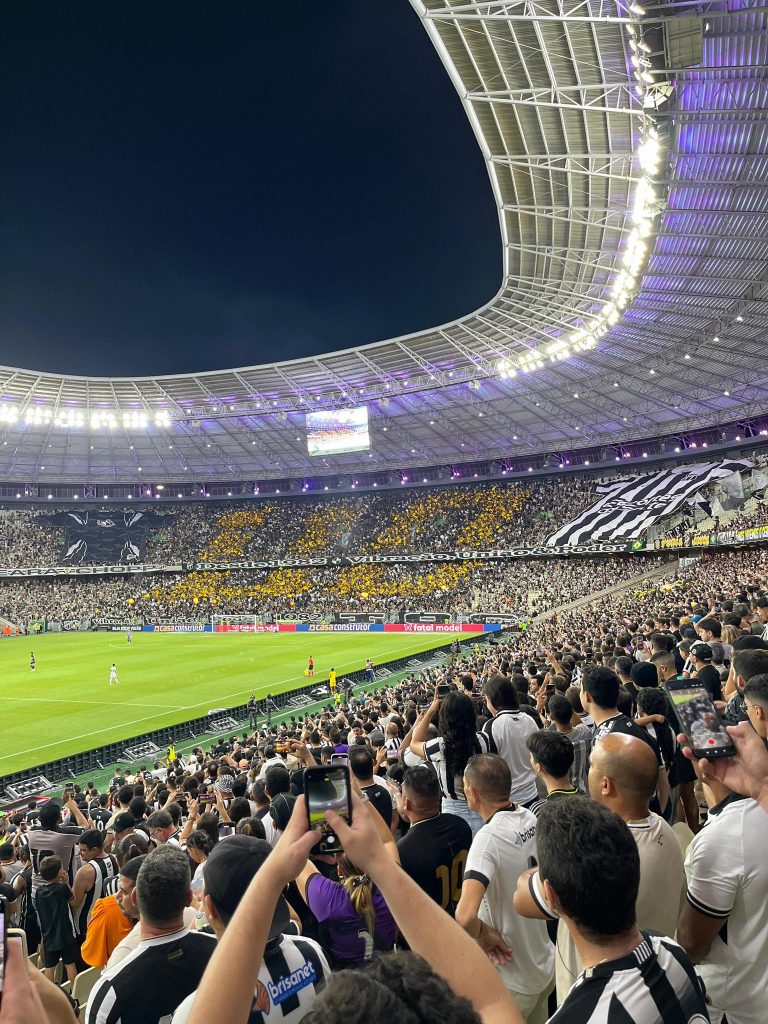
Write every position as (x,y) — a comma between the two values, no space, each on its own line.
(645,208)
(99,419)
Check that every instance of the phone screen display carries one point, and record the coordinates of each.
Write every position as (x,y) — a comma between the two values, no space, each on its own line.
(327,789)
(701,723)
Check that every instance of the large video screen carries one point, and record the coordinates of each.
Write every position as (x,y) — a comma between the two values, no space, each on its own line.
(333,433)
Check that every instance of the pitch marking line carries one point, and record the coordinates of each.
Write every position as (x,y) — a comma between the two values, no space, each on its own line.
(147,718)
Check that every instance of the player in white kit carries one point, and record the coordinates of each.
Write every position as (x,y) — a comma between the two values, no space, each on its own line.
(129,636)
(113,675)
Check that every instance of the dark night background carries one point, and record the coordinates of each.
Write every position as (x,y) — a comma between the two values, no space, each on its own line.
(190,186)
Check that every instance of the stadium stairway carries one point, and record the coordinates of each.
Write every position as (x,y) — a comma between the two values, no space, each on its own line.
(620,588)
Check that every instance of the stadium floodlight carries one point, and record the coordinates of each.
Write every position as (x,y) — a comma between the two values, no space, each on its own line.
(134,420)
(8,413)
(69,418)
(35,415)
(103,420)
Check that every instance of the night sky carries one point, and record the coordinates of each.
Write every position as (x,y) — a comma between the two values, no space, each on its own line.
(191,186)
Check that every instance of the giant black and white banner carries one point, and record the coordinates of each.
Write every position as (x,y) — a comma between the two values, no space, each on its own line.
(112,537)
(628,507)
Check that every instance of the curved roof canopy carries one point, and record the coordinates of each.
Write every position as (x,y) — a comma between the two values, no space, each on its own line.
(561,99)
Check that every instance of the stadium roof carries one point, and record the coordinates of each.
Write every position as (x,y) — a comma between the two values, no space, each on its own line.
(561,100)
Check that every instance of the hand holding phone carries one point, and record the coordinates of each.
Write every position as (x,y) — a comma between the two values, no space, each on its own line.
(327,789)
(703,728)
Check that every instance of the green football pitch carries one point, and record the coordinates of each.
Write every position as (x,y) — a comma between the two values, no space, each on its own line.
(67,705)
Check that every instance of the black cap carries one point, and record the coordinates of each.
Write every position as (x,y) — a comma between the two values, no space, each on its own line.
(281,809)
(702,651)
(229,871)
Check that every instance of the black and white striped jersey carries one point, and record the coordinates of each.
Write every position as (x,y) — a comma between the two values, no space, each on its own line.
(654,984)
(292,971)
(147,986)
(104,871)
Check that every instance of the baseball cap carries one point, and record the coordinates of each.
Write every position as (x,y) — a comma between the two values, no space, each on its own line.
(229,871)
(702,651)
(225,783)
(281,809)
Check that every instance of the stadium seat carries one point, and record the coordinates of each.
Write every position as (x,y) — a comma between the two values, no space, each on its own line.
(684,835)
(84,983)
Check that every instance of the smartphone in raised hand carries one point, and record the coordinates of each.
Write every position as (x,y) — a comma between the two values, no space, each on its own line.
(327,788)
(700,723)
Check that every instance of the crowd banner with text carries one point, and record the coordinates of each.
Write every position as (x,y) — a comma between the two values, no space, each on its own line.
(728,537)
(629,507)
(496,555)
(752,533)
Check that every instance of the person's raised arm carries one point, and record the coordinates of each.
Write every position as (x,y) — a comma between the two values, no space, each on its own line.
(220,807)
(303,753)
(427,929)
(226,990)
(421,729)
(191,823)
(76,813)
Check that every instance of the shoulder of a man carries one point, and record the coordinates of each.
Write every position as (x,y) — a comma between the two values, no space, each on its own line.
(483,858)
(714,863)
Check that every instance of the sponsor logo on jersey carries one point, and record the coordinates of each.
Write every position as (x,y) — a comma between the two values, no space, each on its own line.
(261,1003)
(288,985)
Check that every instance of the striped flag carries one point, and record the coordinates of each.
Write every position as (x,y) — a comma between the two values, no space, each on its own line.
(629,506)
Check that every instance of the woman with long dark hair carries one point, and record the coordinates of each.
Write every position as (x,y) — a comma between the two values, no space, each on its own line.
(458,740)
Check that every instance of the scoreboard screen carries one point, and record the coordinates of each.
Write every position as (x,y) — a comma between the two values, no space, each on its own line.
(337,432)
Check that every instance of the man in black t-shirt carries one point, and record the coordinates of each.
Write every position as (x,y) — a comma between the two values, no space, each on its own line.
(99,814)
(434,850)
(361,765)
(709,677)
(600,695)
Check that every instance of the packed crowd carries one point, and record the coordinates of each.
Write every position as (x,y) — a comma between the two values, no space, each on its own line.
(524,588)
(409,521)
(525,832)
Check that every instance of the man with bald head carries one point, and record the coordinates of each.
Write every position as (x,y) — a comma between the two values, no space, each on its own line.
(622,776)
